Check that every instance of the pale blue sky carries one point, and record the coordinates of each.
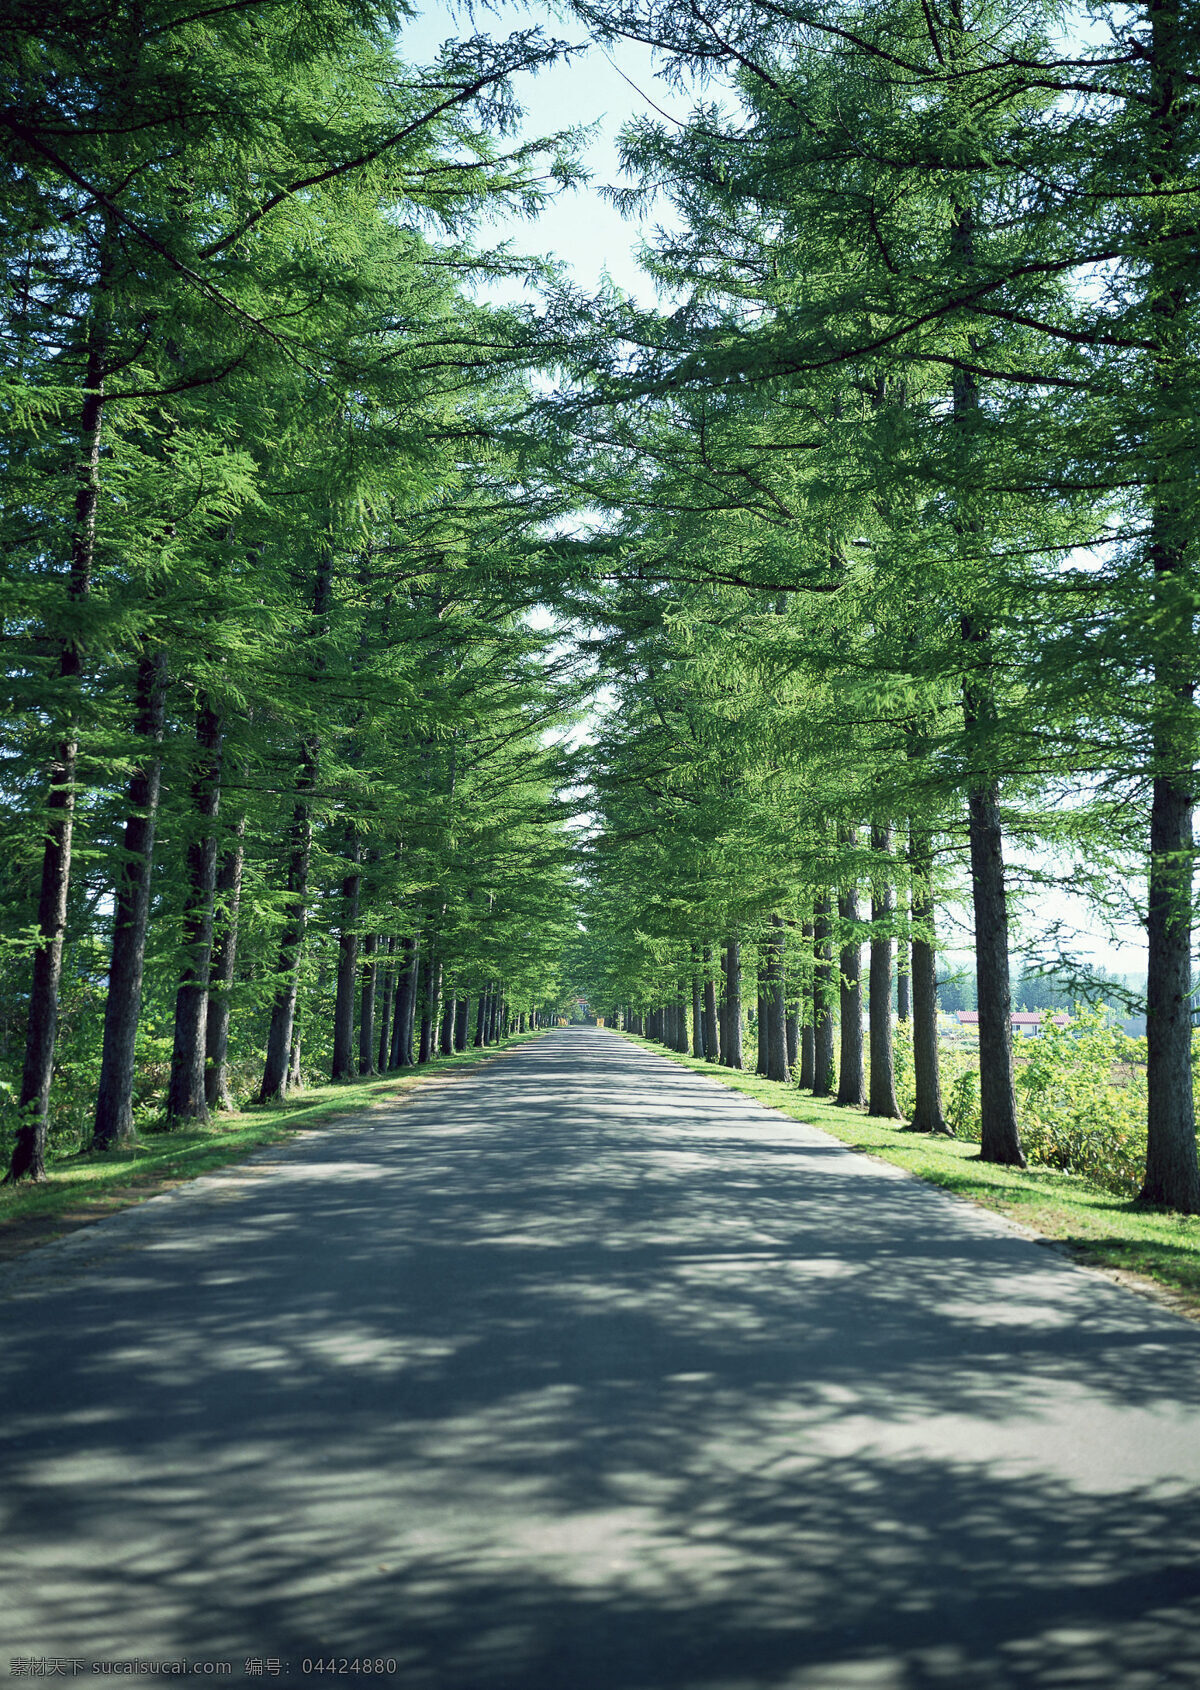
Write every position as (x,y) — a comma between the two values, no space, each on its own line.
(581,227)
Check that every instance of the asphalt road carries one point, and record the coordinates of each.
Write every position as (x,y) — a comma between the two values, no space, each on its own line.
(581,1372)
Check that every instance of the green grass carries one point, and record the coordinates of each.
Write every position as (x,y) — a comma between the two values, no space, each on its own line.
(81,1187)
(1091,1224)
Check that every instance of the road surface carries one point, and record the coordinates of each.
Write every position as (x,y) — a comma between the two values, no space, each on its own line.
(578,1371)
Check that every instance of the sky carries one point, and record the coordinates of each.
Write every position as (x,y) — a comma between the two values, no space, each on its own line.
(592,89)
(604,88)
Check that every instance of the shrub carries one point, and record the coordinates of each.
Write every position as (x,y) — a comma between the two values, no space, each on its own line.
(1082,1091)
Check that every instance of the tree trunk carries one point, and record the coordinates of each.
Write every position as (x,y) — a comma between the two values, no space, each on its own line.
(114,1100)
(822,1083)
(1171,1172)
(1172,1177)
(760,1015)
(777,1054)
(220,975)
(850,1064)
(462,1022)
(366,1012)
(283,1008)
(481,1017)
(792,1035)
(808,1057)
(927,1111)
(430,991)
(186,1095)
(712,1036)
(997,1096)
(276,1070)
(388,1005)
(407,991)
(808,1043)
(29,1150)
(449,1016)
(903,975)
(343,1065)
(731,1049)
(881,1098)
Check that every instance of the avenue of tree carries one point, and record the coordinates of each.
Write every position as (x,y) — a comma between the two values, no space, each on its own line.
(880,533)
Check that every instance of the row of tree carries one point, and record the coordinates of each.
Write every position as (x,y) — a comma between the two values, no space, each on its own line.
(902,493)
(275,753)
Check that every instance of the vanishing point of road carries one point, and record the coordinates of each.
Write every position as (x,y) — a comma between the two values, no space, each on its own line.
(578,1371)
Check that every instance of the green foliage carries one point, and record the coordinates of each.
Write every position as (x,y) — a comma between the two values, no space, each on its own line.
(902,1062)
(1082,1092)
(962,1103)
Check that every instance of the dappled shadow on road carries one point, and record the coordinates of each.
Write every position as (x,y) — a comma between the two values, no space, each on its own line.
(582,1372)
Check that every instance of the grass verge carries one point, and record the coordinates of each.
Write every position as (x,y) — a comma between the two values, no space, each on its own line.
(82,1188)
(1148,1247)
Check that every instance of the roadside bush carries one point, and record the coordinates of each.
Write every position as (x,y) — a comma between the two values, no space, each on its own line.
(1082,1096)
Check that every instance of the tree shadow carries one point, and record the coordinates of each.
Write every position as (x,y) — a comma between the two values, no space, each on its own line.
(557,1378)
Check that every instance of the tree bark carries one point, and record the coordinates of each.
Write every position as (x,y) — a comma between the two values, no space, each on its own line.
(343,1066)
(220,975)
(927,1111)
(997,1096)
(760,1015)
(850,1064)
(903,974)
(712,1036)
(187,1098)
(808,1052)
(431,987)
(731,1050)
(777,1054)
(881,1095)
(388,1005)
(278,1068)
(114,1099)
(406,1003)
(1172,1176)
(369,972)
(1001,1141)
(462,1022)
(822,1083)
(29,1150)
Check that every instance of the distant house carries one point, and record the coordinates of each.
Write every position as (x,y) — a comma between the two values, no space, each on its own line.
(1026,1022)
